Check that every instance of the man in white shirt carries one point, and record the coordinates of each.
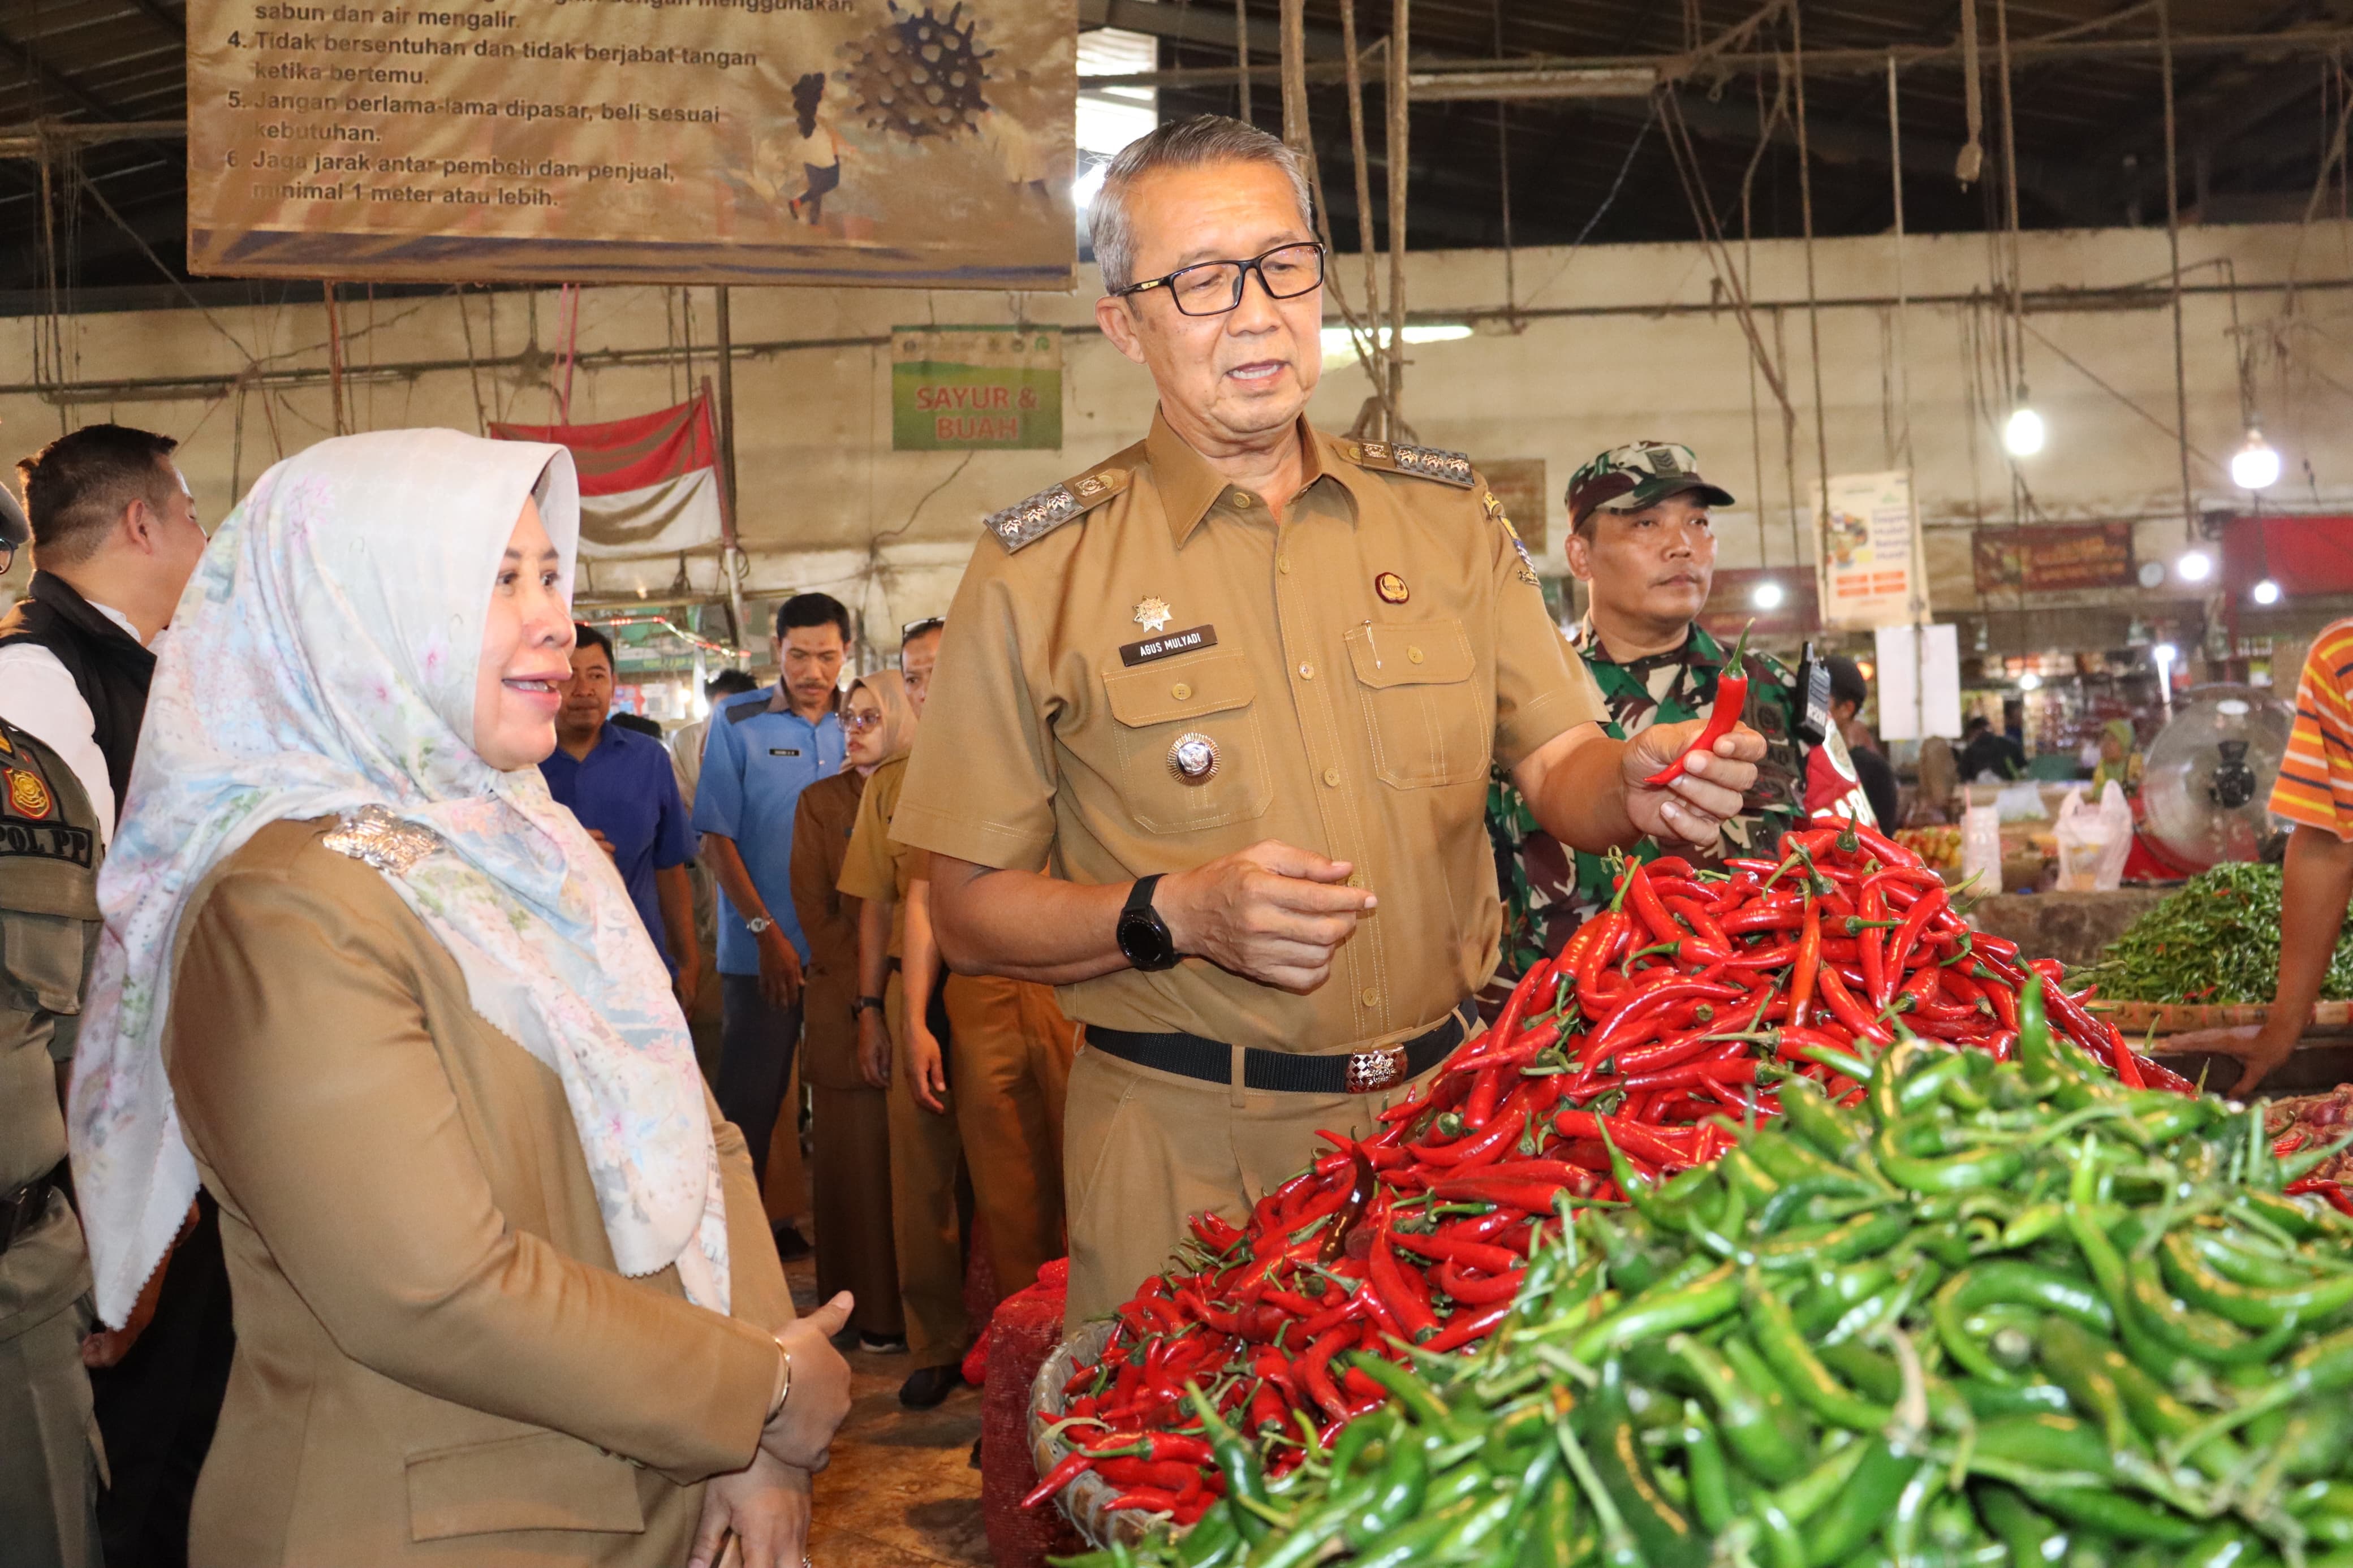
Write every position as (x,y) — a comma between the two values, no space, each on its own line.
(115,538)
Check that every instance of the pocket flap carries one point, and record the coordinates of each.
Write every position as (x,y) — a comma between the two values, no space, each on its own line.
(1411,653)
(1179,688)
(541,1480)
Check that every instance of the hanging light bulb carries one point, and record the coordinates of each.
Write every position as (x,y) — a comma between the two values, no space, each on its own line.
(1766,595)
(2195,566)
(2022,436)
(2267,592)
(2029,681)
(2255,466)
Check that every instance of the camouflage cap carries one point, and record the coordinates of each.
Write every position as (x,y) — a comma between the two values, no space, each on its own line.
(1640,474)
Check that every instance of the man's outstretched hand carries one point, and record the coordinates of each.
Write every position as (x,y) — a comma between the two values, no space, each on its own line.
(1694,807)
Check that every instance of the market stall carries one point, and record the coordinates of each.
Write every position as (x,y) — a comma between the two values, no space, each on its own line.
(1786,1217)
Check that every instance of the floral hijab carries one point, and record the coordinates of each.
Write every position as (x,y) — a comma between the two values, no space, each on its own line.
(322,662)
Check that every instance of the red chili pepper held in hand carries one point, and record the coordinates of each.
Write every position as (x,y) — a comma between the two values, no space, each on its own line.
(1731,696)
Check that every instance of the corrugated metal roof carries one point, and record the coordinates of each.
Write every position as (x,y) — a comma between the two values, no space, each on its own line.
(2090,130)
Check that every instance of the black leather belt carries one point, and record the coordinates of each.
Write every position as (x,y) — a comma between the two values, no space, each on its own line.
(26,1207)
(1288,1072)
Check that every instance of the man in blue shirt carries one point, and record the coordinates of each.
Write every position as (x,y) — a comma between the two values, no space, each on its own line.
(619,784)
(764,749)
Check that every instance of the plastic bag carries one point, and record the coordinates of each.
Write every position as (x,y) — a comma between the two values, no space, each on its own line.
(2021,802)
(2093,841)
(1982,847)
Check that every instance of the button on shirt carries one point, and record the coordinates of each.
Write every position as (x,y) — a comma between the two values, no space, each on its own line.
(759,758)
(1374,649)
(626,790)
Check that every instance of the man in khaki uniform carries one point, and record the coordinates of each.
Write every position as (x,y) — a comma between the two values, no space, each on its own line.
(1213,725)
(49,850)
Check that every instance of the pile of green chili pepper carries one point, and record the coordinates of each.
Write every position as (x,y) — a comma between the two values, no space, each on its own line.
(2215,941)
(1995,1313)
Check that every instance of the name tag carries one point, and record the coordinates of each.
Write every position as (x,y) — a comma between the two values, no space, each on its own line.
(47,841)
(1166,645)
(784,751)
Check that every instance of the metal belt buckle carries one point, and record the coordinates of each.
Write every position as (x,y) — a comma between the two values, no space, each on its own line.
(1370,1072)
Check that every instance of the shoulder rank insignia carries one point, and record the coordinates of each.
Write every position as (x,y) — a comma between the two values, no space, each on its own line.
(1422,462)
(1032,519)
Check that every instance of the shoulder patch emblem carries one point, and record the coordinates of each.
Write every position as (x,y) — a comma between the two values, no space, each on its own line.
(28,795)
(1030,521)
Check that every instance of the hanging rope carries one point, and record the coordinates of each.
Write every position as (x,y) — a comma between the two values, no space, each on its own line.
(1399,147)
(1971,163)
(334,358)
(2173,247)
(1806,215)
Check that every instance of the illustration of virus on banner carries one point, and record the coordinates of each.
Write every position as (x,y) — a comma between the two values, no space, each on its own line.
(919,74)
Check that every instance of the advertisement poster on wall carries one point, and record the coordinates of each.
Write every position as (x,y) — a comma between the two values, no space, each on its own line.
(2045,559)
(920,143)
(1869,560)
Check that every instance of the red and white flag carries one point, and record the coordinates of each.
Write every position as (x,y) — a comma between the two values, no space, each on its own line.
(649,486)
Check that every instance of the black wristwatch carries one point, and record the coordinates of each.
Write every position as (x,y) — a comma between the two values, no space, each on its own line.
(1143,935)
(865,1004)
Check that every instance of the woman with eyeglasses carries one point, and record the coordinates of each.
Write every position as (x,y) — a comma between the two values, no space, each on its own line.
(849,1118)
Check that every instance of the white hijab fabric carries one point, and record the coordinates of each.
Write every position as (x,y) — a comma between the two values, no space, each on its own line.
(323,659)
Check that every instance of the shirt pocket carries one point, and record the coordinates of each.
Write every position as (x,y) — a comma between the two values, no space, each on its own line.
(543,1481)
(1152,708)
(1422,709)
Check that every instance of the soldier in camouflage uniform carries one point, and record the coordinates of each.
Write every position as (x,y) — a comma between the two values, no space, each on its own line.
(1639,539)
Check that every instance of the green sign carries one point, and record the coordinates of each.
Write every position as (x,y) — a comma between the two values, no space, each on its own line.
(957,388)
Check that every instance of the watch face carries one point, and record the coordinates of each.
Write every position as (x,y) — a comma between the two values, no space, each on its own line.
(1144,941)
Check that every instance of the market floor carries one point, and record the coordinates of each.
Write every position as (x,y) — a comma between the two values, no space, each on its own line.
(901,1491)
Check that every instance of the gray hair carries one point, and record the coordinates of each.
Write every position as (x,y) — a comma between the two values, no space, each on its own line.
(1180,144)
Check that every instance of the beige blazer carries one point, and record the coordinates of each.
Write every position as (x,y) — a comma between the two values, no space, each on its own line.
(436,1360)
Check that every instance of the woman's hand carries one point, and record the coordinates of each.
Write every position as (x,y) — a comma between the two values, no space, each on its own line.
(927,1073)
(801,1432)
(766,1506)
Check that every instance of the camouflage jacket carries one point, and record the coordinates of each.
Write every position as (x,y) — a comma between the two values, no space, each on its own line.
(1548,890)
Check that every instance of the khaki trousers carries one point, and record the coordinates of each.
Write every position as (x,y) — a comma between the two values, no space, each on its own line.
(1144,1149)
(1012,1049)
(48,1464)
(849,1131)
(926,1224)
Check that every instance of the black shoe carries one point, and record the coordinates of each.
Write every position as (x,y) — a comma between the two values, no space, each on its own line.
(930,1386)
(976,1453)
(846,1340)
(791,1244)
(882,1344)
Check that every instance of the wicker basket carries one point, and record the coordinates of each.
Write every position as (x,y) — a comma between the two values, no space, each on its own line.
(1086,1501)
(2138,1019)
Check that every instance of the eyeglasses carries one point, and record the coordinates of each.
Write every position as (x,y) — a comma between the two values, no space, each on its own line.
(857,723)
(918,628)
(1213,288)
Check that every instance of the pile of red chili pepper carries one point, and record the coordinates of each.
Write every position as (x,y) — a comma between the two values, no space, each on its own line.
(1661,1029)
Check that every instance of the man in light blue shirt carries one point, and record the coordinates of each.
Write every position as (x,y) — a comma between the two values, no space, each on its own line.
(764,749)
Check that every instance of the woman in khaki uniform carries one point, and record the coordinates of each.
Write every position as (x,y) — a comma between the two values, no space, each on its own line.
(503,1291)
(851,1120)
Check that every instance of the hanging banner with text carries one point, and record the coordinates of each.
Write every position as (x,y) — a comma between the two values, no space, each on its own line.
(811,141)
(953,389)
(1870,551)
(2042,559)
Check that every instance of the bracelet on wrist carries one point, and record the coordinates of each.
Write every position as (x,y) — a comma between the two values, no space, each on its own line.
(784,1381)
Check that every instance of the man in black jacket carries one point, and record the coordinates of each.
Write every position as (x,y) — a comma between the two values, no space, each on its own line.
(115,537)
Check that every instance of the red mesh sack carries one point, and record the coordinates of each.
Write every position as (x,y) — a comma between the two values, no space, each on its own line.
(1024,1333)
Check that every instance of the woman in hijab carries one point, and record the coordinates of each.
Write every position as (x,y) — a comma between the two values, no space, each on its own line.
(849,1119)
(504,1291)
